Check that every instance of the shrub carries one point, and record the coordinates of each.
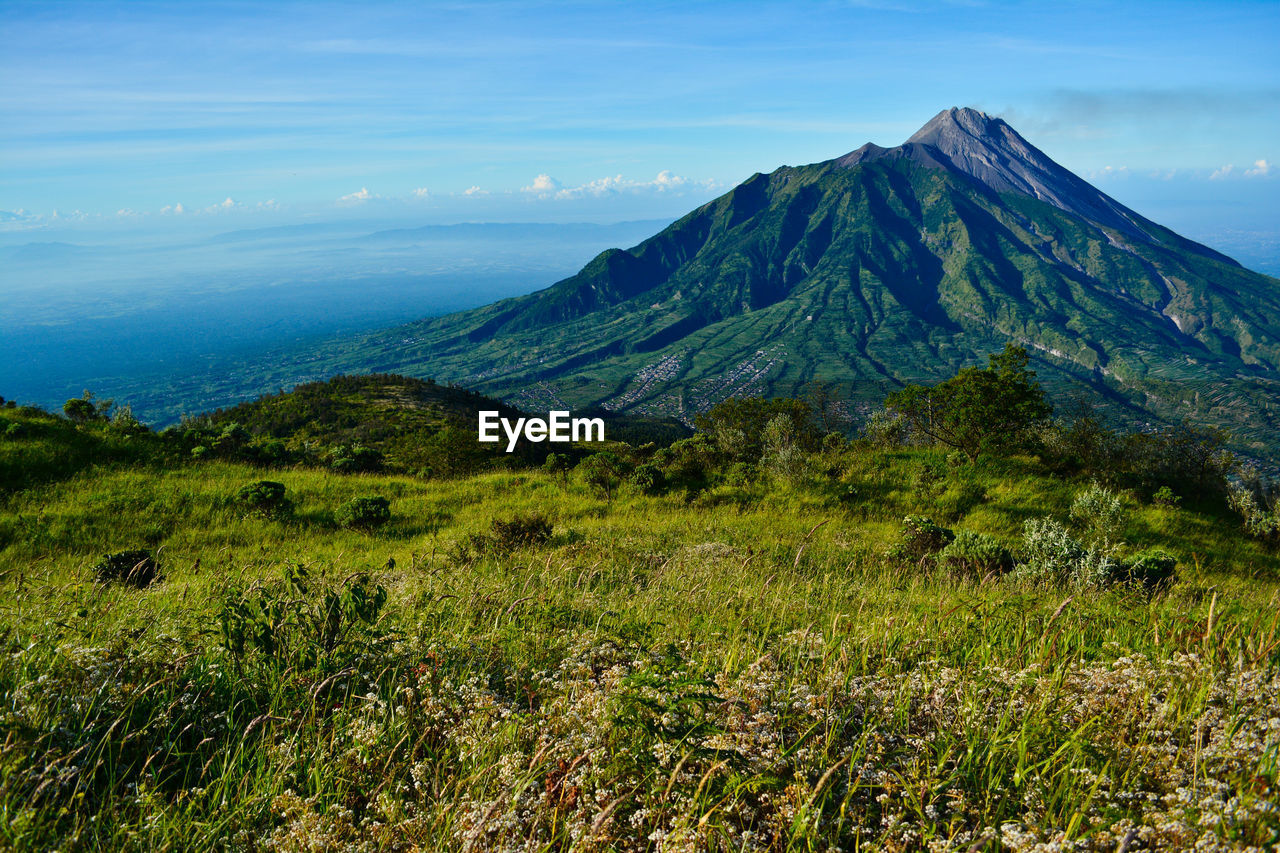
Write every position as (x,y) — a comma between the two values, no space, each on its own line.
(1259,512)
(1053,557)
(648,478)
(921,539)
(886,430)
(738,426)
(356,459)
(83,409)
(302,622)
(1165,497)
(687,462)
(123,421)
(1100,515)
(1153,569)
(363,513)
(520,531)
(740,474)
(976,555)
(136,568)
(783,452)
(1050,553)
(15,430)
(264,498)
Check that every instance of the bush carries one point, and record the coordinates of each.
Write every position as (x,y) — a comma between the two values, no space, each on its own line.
(1153,569)
(921,539)
(648,478)
(136,568)
(687,462)
(356,459)
(364,513)
(886,430)
(1053,557)
(783,453)
(1100,516)
(1165,497)
(834,443)
(504,537)
(520,531)
(1258,510)
(303,622)
(738,426)
(264,498)
(976,555)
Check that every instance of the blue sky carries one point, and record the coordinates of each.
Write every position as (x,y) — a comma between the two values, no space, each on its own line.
(608,110)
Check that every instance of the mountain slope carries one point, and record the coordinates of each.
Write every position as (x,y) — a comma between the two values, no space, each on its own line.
(877,268)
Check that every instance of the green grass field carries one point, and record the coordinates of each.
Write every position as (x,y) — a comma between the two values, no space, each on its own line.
(737,668)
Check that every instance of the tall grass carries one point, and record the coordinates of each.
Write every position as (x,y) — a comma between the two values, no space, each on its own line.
(741,669)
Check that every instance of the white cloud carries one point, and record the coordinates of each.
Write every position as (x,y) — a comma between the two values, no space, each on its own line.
(175,209)
(474,191)
(547,187)
(1260,168)
(1219,174)
(543,184)
(19,215)
(421,192)
(126,212)
(666,181)
(228,204)
(269,204)
(359,197)
(1164,176)
(1110,172)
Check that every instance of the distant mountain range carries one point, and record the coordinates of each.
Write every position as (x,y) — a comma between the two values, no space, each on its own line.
(881,267)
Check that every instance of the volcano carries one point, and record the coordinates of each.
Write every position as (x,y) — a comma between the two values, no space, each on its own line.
(878,268)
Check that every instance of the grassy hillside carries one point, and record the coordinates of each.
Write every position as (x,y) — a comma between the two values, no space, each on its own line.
(733,656)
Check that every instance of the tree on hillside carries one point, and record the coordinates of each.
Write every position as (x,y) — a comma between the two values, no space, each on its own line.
(977,410)
(83,409)
(603,472)
(737,426)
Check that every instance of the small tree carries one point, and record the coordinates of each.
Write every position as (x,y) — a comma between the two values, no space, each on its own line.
(781,451)
(82,409)
(603,472)
(977,410)
(558,465)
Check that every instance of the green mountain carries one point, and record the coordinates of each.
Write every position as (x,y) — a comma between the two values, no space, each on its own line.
(884,266)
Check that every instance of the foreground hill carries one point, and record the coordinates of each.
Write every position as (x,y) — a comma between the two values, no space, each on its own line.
(413,424)
(878,268)
(752,657)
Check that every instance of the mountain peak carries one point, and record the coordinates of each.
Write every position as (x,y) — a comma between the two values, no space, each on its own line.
(960,122)
(987,149)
